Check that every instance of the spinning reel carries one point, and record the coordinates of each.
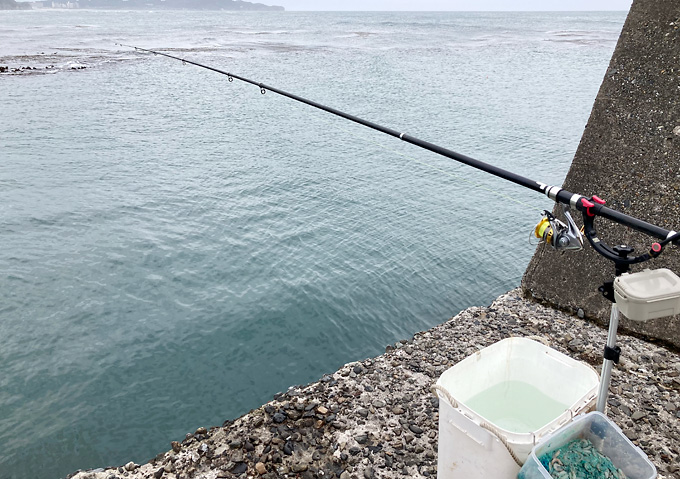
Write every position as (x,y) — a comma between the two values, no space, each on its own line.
(560,236)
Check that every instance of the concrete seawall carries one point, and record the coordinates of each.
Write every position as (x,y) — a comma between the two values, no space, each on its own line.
(630,156)
(378,419)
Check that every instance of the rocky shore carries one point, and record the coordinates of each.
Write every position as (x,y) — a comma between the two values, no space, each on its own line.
(378,418)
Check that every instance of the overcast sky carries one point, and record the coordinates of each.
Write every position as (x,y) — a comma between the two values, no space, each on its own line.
(451,5)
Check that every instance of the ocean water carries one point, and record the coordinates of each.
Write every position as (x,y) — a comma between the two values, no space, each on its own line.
(176,248)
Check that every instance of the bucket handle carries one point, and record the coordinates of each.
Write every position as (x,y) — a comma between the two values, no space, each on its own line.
(437,389)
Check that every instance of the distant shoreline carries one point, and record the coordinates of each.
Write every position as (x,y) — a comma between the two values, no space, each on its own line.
(198,5)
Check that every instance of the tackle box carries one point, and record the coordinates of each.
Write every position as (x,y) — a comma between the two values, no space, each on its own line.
(648,294)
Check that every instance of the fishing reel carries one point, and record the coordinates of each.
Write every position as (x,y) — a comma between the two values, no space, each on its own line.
(560,236)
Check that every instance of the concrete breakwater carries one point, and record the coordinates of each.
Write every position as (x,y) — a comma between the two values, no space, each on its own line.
(378,418)
(629,155)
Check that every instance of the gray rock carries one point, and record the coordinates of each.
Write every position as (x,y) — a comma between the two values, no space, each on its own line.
(299,467)
(637,415)
(279,417)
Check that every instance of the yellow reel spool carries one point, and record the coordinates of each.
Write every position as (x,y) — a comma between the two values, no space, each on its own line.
(544,231)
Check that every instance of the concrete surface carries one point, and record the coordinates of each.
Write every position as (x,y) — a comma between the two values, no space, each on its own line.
(630,156)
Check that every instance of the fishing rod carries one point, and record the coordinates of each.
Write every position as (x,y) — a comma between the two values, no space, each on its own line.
(552,231)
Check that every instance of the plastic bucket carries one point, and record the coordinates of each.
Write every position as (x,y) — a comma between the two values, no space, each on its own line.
(607,439)
(497,404)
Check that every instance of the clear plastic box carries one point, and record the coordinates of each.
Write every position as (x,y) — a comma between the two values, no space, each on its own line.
(607,439)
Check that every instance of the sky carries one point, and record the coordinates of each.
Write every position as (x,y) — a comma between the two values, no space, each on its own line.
(452,5)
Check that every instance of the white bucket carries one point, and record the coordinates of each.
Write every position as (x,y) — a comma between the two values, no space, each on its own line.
(499,402)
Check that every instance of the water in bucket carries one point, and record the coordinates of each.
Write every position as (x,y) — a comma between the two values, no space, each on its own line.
(516,406)
(516,389)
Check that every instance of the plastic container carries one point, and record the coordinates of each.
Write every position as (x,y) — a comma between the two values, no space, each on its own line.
(537,390)
(648,294)
(607,439)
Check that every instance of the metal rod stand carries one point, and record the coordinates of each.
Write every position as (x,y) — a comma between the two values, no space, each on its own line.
(606,375)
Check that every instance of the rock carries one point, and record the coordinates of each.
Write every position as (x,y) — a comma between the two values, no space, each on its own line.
(322,410)
(288,448)
(299,467)
(176,446)
(379,403)
(676,130)
(398,410)
(637,415)
(580,313)
(239,468)
(159,473)
(416,429)
(131,466)
(361,438)
(345,475)
(260,468)
(368,473)
(362,412)
(279,417)
(201,430)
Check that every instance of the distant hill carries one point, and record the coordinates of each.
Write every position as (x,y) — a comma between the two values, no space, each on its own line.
(12,5)
(174,4)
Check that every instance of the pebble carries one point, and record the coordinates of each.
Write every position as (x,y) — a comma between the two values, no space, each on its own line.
(300,467)
(637,415)
(279,417)
(384,421)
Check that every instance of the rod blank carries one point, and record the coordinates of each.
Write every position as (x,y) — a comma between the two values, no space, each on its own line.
(560,195)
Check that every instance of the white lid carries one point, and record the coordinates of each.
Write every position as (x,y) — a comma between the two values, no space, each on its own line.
(649,285)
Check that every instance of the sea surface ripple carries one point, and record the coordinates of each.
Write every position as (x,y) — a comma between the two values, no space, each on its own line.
(176,248)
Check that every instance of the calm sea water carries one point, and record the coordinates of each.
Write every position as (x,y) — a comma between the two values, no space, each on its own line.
(175,248)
